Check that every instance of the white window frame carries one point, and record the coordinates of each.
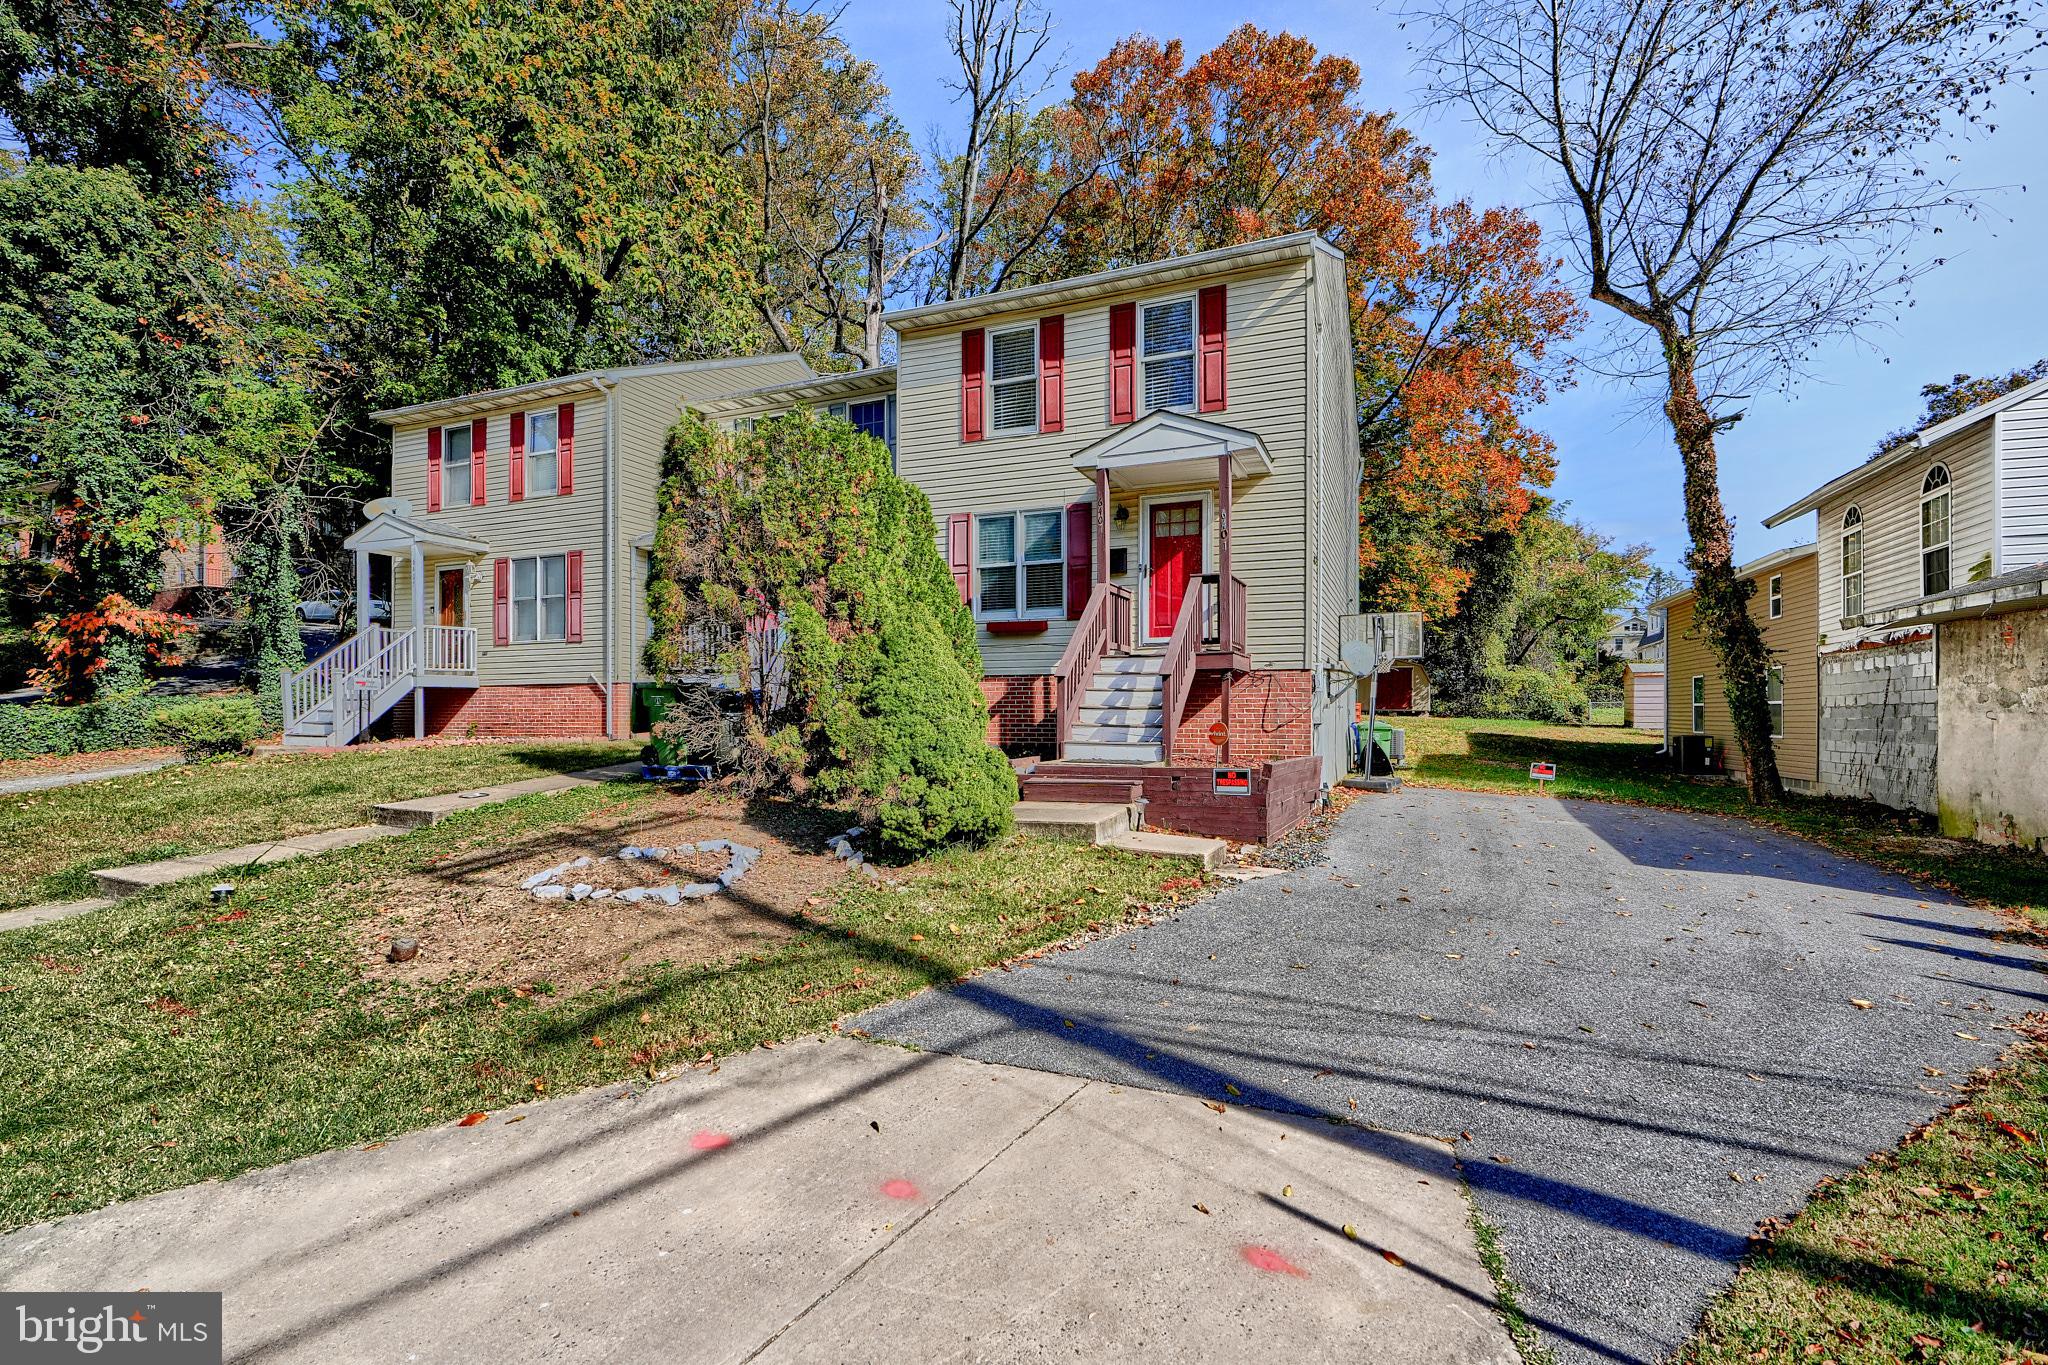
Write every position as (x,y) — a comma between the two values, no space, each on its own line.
(1018,564)
(1929,496)
(1852,579)
(1030,379)
(539,599)
(449,445)
(1774,677)
(529,488)
(1699,703)
(1777,595)
(1145,361)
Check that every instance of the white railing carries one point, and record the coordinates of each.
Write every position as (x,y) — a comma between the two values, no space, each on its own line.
(361,669)
(450,649)
(313,686)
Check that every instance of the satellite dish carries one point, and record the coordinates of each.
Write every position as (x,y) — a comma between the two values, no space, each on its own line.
(1358,648)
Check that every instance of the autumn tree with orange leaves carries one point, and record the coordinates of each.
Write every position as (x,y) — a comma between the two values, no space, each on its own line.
(1455,310)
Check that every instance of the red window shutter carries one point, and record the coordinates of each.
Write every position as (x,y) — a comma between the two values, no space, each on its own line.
(1212,312)
(501,602)
(1080,556)
(479,442)
(1123,363)
(958,537)
(973,384)
(515,460)
(574,631)
(434,470)
(1052,373)
(565,445)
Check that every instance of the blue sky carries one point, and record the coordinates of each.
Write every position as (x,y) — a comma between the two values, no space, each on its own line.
(1985,311)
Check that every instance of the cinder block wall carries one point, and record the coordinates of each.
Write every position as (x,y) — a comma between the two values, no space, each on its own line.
(1879,736)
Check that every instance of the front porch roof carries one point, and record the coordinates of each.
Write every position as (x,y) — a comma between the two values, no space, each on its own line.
(1165,449)
(393,529)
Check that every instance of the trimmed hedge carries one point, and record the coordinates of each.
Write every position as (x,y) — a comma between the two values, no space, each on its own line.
(207,727)
(125,722)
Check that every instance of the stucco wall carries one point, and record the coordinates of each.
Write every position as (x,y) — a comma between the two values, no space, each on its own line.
(1878,734)
(1993,770)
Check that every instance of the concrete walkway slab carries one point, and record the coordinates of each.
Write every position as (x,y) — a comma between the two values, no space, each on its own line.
(55,910)
(1091,822)
(15,786)
(432,810)
(139,877)
(1203,852)
(826,1201)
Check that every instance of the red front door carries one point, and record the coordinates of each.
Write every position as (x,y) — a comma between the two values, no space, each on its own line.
(1175,532)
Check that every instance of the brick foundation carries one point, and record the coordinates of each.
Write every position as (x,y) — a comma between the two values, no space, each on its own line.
(542,710)
(1272,716)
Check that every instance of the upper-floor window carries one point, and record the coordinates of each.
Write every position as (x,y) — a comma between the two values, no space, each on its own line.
(1021,563)
(1013,378)
(1777,596)
(1167,335)
(1699,704)
(1934,531)
(870,417)
(456,469)
(1852,562)
(540,598)
(543,455)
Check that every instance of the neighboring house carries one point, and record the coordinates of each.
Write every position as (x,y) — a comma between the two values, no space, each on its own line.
(1784,608)
(1924,704)
(1624,638)
(1146,483)
(194,560)
(517,605)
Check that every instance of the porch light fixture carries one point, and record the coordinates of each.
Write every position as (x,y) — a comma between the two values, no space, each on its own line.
(1123,514)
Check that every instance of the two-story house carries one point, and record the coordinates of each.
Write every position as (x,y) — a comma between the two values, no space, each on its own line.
(1145,480)
(1926,701)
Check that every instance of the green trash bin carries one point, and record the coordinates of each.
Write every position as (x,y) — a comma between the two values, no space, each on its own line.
(652,700)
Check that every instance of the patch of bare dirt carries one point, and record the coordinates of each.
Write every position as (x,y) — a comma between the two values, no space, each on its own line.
(475,924)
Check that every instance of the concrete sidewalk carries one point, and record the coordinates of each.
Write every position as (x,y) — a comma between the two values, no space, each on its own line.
(16,786)
(826,1201)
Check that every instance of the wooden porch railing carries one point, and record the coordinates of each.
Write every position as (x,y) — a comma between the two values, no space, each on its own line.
(1104,625)
(1180,668)
(1223,633)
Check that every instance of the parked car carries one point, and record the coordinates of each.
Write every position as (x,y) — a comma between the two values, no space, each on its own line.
(328,611)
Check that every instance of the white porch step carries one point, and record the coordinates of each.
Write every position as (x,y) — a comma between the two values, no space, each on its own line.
(1132,663)
(1119,734)
(1091,751)
(1123,698)
(1122,717)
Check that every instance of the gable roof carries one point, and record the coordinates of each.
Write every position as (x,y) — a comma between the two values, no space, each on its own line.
(1902,452)
(468,404)
(1295,246)
(1776,559)
(822,388)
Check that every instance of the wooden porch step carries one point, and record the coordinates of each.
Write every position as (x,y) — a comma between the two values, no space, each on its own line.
(1082,789)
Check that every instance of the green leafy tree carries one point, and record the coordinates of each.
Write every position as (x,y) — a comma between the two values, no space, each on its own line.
(1958,394)
(881,709)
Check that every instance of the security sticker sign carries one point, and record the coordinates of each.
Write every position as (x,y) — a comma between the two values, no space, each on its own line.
(1543,772)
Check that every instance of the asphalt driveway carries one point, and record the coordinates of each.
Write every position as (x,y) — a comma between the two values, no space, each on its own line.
(1642,1027)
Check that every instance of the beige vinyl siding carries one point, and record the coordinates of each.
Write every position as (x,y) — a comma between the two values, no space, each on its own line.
(1891,529)
(533,526)
(648,405)
(1793,639)
(1267,327)
(2023,475)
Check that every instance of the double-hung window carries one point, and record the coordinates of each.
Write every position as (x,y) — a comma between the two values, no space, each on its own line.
(1934,531)
(1699,704)
(1774,699)
(1020,559)
(540,598)
(543,455)
(1167,340)
(1852,563)
(456,469)
(1777,596)
(1013,379)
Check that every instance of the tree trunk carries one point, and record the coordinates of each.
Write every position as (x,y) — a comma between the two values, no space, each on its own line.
(1721,599)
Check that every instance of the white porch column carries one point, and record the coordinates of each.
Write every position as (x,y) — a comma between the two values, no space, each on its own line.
(362,591)
(419,619)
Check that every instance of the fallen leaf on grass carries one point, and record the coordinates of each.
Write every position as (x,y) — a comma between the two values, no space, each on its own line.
(917,938)
(1927,1191)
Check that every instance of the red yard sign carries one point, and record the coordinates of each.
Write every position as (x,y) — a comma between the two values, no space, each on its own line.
(1232,781)
(1542,772)
(1219,733)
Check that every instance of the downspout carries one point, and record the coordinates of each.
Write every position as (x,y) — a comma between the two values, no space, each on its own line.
(611,530)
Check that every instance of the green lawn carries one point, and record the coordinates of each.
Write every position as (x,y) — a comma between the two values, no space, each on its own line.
(1937,1252)
(157,1043)
(50,841)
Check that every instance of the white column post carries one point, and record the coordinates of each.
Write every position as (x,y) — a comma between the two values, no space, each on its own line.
(362,591)
(419,619)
